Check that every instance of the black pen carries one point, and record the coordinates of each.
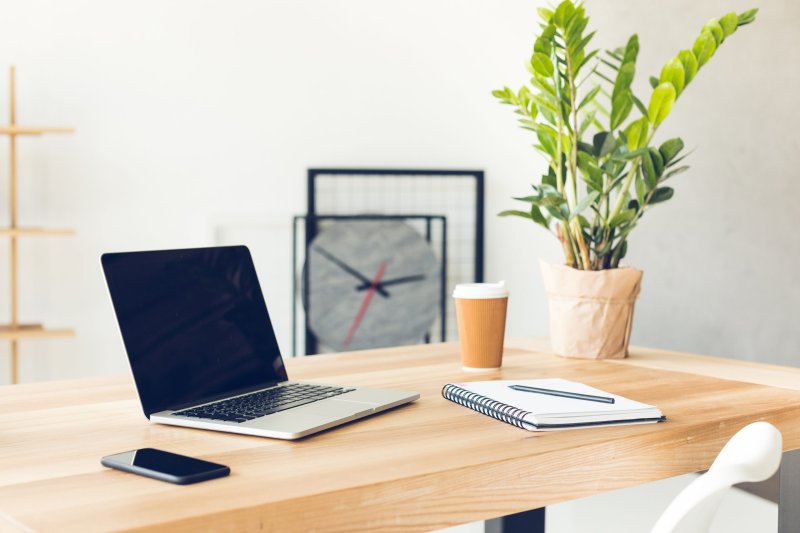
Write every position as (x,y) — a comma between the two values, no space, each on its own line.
(563,394)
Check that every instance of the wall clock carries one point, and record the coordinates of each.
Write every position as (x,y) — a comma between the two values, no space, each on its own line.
(370,283)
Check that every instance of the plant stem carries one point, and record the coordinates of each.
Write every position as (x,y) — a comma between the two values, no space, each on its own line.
(573,159)
(576,228)
(566,243)
(628,180)
(572,174)
(616,253)
(557,87)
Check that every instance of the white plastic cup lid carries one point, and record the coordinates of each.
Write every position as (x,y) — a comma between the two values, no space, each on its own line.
(481,291)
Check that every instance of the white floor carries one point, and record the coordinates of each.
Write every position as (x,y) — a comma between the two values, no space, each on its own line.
(635,510)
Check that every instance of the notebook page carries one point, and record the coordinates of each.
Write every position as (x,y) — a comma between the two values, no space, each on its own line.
(546,405)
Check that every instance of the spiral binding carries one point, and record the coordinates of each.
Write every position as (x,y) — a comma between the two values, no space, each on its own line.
(477,402)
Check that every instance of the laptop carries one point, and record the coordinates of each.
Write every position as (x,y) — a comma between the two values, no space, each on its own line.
(203,352)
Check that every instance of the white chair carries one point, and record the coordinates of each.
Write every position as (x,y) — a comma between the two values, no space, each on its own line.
(752,455)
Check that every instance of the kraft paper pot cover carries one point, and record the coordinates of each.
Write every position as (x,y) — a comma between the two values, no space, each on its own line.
(591,311)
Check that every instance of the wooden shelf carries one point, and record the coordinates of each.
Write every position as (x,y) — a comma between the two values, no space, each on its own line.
(31,331)
(20,232)
(28,130)
(18,331)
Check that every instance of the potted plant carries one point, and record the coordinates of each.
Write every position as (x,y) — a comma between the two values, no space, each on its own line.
(605,169)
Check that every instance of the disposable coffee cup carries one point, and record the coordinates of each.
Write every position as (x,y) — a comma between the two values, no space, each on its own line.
(481,315)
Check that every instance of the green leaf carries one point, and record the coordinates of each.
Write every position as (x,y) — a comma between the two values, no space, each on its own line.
(542,65)
(661,103)
(575,41)
(627,155)
(551,200)
(545,14)
(592,174)
(623,218)
(549,179)
(729,22)
(747,17)
(662,194)
(658,162)
(542,200)
(528,199)
(653,82)
(515,213)
(581,46)
(623,250)
(542,46)
(506,95)
(677,160)
(614,169)
(631,49)
(689,62)
(549,142)
(624,78)
(637,133)
(714,27)
(589,96)
(585,202)
(588,120)
(704,47)
(617,54)
(621,107)
(675,172)
(673,73)
(603,144)
(548,115)
(560,212)
(563,13)
(586,59)
(670,148)
(649,172)
(538,217)
(548,91)
(641,190)
(639,105)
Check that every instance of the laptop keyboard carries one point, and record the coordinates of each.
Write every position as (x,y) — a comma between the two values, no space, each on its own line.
(262,403)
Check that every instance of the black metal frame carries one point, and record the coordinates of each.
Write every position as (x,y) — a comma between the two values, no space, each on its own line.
(311,228)
(311,344)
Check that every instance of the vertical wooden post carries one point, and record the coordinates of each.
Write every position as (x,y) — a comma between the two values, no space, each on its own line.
(13,237)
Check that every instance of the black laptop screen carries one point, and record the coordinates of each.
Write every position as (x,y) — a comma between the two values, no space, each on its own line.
(194,324)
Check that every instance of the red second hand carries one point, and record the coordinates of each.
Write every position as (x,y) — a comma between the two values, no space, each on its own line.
(363,309)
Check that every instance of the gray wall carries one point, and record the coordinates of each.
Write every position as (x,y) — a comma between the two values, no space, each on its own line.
(194,117)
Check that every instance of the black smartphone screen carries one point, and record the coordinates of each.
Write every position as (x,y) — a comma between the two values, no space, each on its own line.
(166,466)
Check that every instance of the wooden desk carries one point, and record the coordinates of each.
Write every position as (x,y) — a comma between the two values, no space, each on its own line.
(428,465)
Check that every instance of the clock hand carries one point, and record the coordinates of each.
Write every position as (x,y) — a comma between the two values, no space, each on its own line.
(350,270)
(395,281)
(363,309)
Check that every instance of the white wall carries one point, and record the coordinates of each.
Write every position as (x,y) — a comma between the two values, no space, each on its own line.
(196,116)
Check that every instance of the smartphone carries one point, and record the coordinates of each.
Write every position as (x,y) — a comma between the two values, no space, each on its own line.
(165,466)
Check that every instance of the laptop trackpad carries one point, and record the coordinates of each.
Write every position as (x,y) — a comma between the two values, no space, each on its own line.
(339,409)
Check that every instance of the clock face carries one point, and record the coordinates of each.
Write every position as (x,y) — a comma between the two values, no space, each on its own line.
(371,284)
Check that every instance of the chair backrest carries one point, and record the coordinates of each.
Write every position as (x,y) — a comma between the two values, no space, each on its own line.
(752,455)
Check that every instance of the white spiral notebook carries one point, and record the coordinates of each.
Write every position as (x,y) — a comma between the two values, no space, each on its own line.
(543,412)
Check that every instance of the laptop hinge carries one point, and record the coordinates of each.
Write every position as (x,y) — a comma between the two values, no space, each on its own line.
(217,397)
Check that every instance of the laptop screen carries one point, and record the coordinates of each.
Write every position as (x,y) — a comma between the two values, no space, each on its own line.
(194,324)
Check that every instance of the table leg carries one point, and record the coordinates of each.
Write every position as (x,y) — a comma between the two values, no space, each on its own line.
(789,505)
(527,522)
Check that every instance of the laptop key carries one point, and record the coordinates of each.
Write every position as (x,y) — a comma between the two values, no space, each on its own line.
(244,408)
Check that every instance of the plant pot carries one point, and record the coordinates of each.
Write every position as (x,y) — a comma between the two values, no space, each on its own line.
(591,312)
